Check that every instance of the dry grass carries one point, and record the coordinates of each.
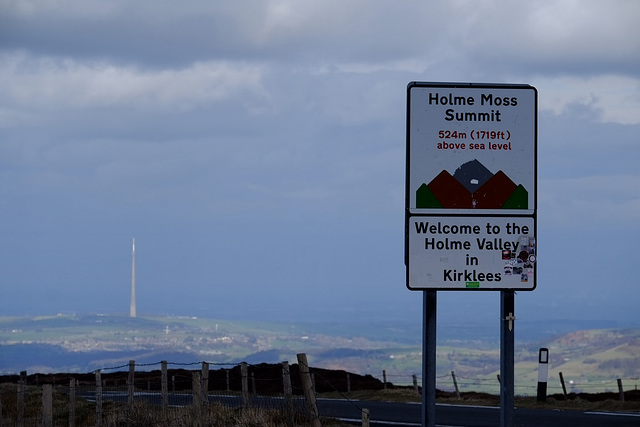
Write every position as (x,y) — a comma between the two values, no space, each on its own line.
(142,414)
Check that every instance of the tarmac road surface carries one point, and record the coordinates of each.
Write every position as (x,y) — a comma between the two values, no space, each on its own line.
(409,414)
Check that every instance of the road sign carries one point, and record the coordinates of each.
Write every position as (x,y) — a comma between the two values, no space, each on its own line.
(471,252)
(471,186)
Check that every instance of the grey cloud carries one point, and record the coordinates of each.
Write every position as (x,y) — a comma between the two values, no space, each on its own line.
(504,37)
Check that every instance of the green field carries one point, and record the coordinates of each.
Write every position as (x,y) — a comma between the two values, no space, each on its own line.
(590,360)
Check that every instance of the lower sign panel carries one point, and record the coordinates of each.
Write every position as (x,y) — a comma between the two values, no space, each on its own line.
(475,253)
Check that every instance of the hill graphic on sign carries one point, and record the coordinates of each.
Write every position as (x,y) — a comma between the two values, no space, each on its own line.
(472,186)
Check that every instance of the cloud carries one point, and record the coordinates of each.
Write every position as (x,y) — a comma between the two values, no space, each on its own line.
(54,83)
(533,37)
(612,98)
(548,37)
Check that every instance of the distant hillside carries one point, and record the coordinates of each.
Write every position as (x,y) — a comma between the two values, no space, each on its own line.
(596,355)
(82,343)
(76,343)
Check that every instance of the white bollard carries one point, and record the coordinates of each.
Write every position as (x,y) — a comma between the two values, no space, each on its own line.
(543,373)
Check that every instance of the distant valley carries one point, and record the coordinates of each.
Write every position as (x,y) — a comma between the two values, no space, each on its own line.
(84,343)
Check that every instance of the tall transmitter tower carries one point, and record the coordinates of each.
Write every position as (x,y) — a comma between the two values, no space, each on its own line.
(132,308)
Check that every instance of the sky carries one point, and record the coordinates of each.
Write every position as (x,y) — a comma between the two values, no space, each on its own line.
(256,152)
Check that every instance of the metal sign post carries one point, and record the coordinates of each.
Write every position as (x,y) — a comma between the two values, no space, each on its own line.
(507,335)
(429,311)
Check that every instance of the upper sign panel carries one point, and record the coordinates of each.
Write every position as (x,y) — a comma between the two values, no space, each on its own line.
(471,149)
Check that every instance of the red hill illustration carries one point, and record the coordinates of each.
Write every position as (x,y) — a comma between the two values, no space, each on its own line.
(472,186)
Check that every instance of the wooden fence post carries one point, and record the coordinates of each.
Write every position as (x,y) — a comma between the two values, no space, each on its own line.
(455,384)
(384,379)
(20,403)
(72,402)
(365,417)
(415,383)
(620,390)
(244,373)
(47,405)
(253,384)
(164,387)
(130,382)
(564,386)
(205,382)
(98,399)
(308,389)
(288,393)
(228,383)
(348,383)
(197,399)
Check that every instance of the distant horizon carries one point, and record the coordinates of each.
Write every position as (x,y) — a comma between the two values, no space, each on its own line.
(483,323)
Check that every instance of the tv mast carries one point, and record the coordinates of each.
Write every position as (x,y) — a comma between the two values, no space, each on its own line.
(132,308)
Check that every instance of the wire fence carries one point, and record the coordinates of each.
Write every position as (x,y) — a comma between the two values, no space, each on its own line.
(491,384)
(175,394)
(203,393)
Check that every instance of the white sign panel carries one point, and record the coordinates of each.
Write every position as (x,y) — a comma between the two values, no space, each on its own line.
(471,149)
(470,201)
(483,253)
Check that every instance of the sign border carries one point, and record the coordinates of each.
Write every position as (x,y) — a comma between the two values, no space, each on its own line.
(409,215)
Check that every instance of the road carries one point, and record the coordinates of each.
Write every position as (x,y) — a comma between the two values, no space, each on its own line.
(409,414)
(397,414)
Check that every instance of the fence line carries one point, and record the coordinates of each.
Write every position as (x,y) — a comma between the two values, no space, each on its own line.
(190,396)
(491,384)
(186,397)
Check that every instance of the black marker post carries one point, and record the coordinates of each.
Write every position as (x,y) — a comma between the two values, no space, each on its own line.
(543,373)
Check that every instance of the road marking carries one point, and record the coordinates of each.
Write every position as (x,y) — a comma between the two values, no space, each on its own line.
(387,423)
(467,406)
(619,414)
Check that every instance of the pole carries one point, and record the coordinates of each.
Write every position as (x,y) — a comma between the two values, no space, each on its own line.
(132,307)
(205,382)
(98,398)
(244,373)
(288,393)
(131,382)
(196,390)
(564,386)
(429,358)
(72,403)
(455,384)
(621,390)
(543,373)
(308,389)
(164,386)
(507,328)
(47,405)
